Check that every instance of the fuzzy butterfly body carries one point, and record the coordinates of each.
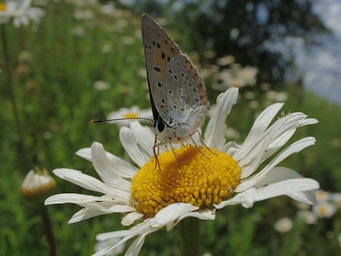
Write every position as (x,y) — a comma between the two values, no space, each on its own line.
(177,93)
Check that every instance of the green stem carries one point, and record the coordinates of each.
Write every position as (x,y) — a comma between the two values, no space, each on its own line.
(189,229)
(48,231)
(12,98)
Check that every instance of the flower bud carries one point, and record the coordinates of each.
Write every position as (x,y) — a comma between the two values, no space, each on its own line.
(37,186)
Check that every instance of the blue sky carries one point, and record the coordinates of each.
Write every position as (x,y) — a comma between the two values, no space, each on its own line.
(322,69)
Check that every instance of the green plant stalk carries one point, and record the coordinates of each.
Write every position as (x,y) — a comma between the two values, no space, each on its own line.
(189,230)
(48,231)
(12,98)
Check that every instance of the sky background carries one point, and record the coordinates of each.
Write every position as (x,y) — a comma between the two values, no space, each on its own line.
(321,69)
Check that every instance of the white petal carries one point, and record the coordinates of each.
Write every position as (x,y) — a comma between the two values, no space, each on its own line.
(83,180)
(84,153)
(104,169)
(306,197)
(135,248)
(282,173)
(125,169)
(287,187)
(144,137)
(141,228)
(261,146)
(85,214)
(215,131)
(277,174)
(171,213)
(130,218)
(294,148)
(73,198)
(129,143)
(202,215)
(113,246)
(260,125)
(98,208)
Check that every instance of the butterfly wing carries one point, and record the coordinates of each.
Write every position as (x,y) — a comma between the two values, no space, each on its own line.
(185,94)
(159,49)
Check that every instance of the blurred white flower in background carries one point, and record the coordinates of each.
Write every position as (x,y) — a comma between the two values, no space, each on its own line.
(101,85)
(20,13)
(283,225)
(129,114)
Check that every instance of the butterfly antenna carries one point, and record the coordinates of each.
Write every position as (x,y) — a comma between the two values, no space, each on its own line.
(120,119)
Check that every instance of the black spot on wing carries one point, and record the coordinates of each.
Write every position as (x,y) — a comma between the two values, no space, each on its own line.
(157,69)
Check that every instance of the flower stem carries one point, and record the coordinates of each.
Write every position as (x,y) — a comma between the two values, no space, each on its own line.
(48,231)
(11,95)
(189,230)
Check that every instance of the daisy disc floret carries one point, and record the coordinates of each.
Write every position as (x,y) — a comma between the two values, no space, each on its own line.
(196,183)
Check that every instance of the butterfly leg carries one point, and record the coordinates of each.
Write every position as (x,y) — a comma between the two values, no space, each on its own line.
(176,157)
(203,143)
(155,155)
(196,145)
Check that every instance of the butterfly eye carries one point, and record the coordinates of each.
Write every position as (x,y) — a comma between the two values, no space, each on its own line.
(160,125)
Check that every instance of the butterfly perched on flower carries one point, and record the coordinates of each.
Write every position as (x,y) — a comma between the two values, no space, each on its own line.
(177,93)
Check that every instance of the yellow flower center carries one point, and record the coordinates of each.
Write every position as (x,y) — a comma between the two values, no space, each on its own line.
(198,179)
(2,7)
(130,115)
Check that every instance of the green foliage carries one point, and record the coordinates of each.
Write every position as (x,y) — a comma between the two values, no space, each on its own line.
(56,100)
(246,28)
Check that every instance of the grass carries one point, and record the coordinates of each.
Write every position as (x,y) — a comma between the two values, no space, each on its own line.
(56,100)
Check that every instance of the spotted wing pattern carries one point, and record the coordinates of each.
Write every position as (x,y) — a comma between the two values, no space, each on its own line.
(159,49)
(185,100)
(177,93)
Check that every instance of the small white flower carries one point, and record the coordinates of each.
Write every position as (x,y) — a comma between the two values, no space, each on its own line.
(226,60)
(199,185)
(78,31)
(307,216)
(324,209)
(322,196)
(106,47)
(129,113)
(283,225)
(236,76)
(336,199)
(303,206)
(101,85)
(20,13)
(83,14)
(128,40)
(274,96)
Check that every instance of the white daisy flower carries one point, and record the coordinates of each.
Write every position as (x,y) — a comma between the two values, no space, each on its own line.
(20,12)
(197,185)
(129,113)
(307,216)
(324,209)
(322,196)
(101,85)
(283,225)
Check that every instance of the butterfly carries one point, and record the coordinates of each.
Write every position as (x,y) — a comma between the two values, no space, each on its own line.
(177,93)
